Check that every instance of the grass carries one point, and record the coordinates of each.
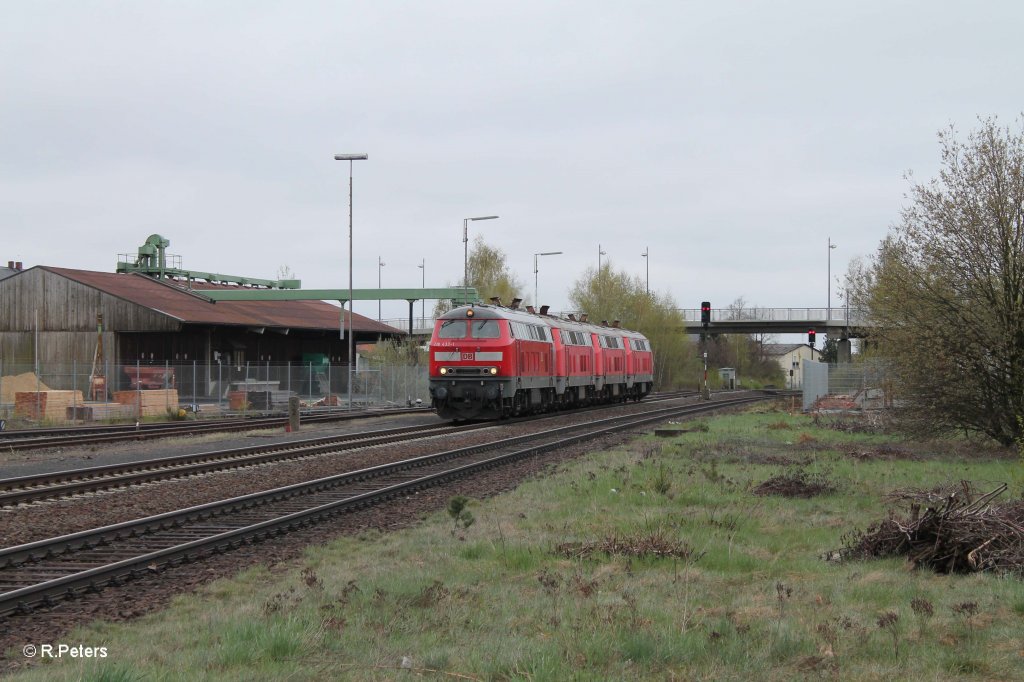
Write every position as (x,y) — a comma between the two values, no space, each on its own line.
(686,574)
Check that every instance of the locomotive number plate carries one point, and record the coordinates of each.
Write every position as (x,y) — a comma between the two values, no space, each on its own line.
(467,356)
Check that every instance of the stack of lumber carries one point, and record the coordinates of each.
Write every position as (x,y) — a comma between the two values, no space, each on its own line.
(151,403)
(52,405)
(9,385)
(101,411)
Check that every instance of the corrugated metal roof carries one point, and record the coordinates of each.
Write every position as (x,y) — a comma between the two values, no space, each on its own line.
(191,307)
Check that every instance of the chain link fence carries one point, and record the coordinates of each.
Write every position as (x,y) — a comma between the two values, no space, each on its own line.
(864,384)
(25,390)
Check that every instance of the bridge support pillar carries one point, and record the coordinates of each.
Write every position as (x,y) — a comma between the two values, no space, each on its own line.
(843,352)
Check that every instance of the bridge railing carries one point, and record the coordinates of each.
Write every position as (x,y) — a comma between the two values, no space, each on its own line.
(820,316)
(826,316)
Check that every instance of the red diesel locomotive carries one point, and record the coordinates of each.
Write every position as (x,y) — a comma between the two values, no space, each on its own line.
(492,362)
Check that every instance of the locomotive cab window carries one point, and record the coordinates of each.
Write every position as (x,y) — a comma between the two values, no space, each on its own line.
(452,329)
(486,329)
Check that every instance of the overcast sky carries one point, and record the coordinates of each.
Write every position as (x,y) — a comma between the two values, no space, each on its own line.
(731,139)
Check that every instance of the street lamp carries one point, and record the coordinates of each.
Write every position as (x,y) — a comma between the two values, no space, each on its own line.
(423,302)
(536,296)
(647,262)
(465,250)
(828,311)
(380,265)
(600,252)
(351,330)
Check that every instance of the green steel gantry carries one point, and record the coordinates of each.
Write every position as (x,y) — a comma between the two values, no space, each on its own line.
(459,295)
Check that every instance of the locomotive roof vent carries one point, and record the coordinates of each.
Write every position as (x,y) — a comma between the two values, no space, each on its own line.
(495,300)
(615,323)
(604,323)
(530,310)
(544,309)
(515,303)
(583,317)
(572,317)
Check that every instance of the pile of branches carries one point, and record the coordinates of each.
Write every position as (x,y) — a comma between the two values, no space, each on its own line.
(799,483)
(936,495)
(963,534)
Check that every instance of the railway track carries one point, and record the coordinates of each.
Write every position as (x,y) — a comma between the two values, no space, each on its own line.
(46,572)
(26,489)
(61,484)
(33,439)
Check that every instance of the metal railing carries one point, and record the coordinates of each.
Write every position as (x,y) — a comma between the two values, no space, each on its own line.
(825,317)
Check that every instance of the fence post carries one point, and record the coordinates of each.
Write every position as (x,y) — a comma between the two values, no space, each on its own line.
(74,393)
(193,382)
(220,386)
(138,390)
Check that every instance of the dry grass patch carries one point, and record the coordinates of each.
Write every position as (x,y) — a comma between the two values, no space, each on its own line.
(643,545)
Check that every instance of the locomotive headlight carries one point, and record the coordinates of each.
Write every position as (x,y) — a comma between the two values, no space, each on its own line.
(443,370)
(494,370)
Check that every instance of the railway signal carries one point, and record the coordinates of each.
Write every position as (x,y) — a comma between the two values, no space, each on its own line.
(810,337)
(705,313)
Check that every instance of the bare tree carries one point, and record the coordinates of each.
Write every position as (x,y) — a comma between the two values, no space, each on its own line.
(607,294)
(946,289)
(489,274)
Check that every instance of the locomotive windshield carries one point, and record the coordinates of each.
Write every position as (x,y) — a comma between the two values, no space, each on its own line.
(452,329)
(486,329)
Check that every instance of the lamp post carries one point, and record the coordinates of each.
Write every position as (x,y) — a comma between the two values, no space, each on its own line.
(465,250)
(536,296)
(423,302)
(380,266)
(647,262)
(351,331)
(828,311)
(600,253)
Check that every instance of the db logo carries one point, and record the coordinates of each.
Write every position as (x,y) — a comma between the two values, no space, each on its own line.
(467,356)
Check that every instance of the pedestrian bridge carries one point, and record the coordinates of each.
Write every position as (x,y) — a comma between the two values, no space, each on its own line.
(836,322)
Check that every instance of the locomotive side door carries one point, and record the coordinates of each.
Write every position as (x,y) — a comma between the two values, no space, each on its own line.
(561,357)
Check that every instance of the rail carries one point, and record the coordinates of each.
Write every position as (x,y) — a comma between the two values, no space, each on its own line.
(146,545)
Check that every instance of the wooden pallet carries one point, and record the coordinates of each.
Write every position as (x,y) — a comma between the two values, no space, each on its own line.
(52,405)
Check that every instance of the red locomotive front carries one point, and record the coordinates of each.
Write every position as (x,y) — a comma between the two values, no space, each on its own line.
(471,362)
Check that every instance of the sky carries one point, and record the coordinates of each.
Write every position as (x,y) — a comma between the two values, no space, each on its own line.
(730,140)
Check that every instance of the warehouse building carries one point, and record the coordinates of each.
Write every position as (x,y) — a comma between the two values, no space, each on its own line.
(77,319)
